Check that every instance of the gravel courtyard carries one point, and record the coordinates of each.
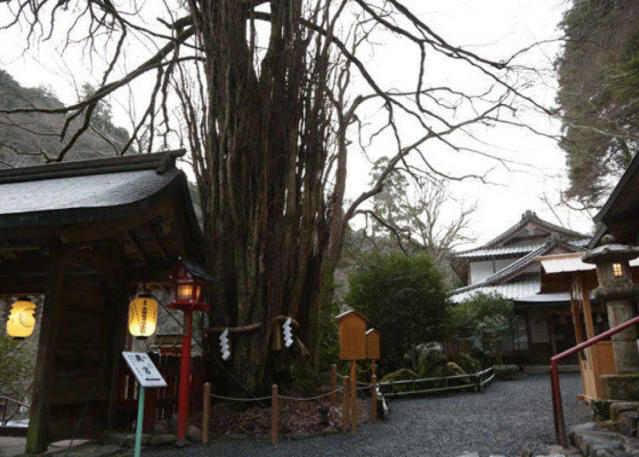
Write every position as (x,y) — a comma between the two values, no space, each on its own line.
(499,421)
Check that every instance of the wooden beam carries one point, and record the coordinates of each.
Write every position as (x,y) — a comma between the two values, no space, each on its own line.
(137,244)
(23,286)
(97,259)
(149,275)
(590,328)
(576,320)
(113,229)
(156,237)
(51,321)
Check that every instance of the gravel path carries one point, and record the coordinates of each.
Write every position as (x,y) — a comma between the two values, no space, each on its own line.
(499,421)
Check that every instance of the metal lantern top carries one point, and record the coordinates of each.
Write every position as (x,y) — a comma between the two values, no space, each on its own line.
(189,283)
(613,269)
(609,251)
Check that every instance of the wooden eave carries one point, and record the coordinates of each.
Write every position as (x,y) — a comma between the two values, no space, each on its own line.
(349,312)
(149,235)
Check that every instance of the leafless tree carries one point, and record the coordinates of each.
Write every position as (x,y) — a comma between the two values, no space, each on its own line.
(269,113)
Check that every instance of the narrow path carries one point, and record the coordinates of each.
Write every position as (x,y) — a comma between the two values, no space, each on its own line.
(500,421)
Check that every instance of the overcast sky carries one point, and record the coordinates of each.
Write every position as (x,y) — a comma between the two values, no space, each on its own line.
(492,28)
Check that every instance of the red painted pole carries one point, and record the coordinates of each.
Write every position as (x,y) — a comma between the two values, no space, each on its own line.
(185,377)
(557,407)
(4,412)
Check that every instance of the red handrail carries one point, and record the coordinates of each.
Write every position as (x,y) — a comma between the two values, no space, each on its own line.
(557,408)
(6,401)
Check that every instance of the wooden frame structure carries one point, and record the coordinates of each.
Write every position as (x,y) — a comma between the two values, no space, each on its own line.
(560,273)
(84,234)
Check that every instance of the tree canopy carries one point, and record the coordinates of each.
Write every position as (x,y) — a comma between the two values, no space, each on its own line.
(599,94)
(405,298)
(484,319)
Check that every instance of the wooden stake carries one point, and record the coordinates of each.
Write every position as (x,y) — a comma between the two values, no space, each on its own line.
(354,397)
(374,398)
(206,412)
(373,368)
(333,385)
(275,420)
(346,402)
(277,337)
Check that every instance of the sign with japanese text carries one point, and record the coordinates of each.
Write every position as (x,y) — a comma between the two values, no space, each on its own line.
(144,370)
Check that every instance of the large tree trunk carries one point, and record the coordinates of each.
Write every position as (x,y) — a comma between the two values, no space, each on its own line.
(261,190)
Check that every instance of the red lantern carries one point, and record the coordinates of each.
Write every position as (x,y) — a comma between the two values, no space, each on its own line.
(188,295)
(189,281)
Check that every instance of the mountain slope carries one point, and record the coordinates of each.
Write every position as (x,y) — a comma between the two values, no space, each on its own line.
(25,138)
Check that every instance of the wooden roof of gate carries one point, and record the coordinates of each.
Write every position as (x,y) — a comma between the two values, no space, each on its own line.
(141,203)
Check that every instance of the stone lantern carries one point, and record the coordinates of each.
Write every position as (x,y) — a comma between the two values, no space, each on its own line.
(618,292)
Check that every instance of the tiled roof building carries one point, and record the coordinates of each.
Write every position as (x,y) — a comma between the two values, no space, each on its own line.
(507,265)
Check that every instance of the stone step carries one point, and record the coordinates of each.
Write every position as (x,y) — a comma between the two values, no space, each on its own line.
(594,440)
(91,449)
(539,451)
(476,454)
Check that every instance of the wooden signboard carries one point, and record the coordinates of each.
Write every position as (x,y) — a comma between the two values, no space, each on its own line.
(352,335)
(372,344)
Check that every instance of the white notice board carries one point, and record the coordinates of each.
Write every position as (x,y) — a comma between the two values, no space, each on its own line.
(144,370)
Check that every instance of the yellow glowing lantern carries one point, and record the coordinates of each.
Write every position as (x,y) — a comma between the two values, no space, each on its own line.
(143,316)
(184,292)
(21,321)
(617,270)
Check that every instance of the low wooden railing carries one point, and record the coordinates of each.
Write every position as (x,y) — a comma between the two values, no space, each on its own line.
(4,405)
(472,381)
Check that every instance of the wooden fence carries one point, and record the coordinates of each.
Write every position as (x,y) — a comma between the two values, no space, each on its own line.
(350,416)
(159,403)
(442,385)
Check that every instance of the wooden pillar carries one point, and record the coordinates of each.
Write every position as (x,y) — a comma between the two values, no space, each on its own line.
(275,415)
(206,412)
(590,327)
(576,318)
(117,333)
(354,397)
(50,323)
(590,333)
(374,398)
(346,402)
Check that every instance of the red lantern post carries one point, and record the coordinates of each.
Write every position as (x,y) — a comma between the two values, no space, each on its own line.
(189,282)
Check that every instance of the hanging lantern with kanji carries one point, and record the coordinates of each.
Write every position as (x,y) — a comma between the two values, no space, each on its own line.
(21,320)
(143,316)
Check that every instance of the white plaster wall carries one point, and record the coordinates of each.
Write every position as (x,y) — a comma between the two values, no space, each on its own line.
(480,271)
(538,327)
(502,263)
(485,268)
